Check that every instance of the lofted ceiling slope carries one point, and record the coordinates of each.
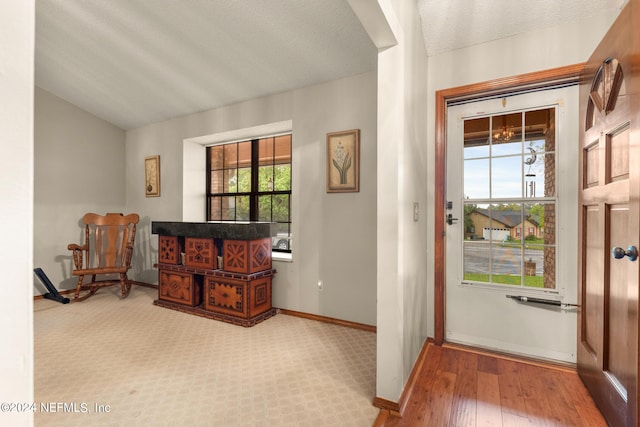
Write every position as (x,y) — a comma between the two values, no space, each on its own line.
(134,62)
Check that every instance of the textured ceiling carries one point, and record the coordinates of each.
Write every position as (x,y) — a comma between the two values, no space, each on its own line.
(133,62)
(453,24)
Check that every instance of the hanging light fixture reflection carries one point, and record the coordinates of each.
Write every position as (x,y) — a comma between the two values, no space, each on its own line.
(505,134)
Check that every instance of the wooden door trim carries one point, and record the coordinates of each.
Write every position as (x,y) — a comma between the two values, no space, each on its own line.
(569,74)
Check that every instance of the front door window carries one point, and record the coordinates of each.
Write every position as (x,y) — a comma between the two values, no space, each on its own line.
(510,199)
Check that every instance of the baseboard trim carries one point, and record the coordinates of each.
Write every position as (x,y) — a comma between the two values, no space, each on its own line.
(386,405)
(144,284)
(398,407)
(415,374)
(325,319)
(70,291)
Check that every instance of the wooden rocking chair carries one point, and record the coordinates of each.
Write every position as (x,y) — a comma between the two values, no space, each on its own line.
(107,250)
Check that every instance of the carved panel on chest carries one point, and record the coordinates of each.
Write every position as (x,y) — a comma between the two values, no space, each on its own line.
(247,257)
(169,250)
(241,298)
(200,253)
(225,297)
(183,288)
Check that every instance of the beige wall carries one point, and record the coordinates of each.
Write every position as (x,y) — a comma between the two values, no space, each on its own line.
(334,234)
(79,168)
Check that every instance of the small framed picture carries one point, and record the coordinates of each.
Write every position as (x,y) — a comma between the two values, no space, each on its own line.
(343,161)
(152,176)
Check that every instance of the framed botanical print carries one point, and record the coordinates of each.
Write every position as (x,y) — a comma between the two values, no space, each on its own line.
(152,176)
(343,161)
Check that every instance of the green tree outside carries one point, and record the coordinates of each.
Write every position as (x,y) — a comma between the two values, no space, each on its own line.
(270,207)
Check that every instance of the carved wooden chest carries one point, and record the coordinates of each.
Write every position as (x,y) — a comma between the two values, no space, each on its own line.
(238,292)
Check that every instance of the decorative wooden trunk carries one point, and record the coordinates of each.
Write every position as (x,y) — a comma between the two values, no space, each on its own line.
(238,292)
(180,287)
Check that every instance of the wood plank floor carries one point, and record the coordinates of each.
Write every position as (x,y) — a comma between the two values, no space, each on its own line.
(462,387)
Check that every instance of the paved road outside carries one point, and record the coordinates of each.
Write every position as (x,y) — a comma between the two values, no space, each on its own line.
(506,260)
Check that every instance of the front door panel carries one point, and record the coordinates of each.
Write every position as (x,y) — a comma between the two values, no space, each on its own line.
(608,277)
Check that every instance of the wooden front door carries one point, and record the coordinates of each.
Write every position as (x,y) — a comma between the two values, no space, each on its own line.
(609,225)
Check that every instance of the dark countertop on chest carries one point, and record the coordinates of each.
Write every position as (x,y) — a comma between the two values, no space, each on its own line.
(220,230)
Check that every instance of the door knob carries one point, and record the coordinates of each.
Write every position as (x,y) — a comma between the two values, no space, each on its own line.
(451,220)
(631,252)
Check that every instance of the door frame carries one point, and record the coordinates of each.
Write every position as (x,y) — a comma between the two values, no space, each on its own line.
(508,85)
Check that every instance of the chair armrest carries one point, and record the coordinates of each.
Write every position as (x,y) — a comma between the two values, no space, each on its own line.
(77,254)
(76,247)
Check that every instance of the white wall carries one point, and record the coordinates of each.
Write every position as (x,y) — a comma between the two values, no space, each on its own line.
(17,20)
(402,254)
(79,168)
(553,47)
(334,234)
(413,181)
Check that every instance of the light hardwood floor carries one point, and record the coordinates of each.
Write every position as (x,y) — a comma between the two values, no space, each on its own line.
(462,387)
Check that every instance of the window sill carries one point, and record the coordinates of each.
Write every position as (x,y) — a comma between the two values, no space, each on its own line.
(281,256)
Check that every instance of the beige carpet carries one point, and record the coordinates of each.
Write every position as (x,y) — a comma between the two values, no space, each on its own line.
(150,366)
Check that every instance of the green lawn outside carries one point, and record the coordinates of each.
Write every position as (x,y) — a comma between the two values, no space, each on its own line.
(537,244)
(506,279)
